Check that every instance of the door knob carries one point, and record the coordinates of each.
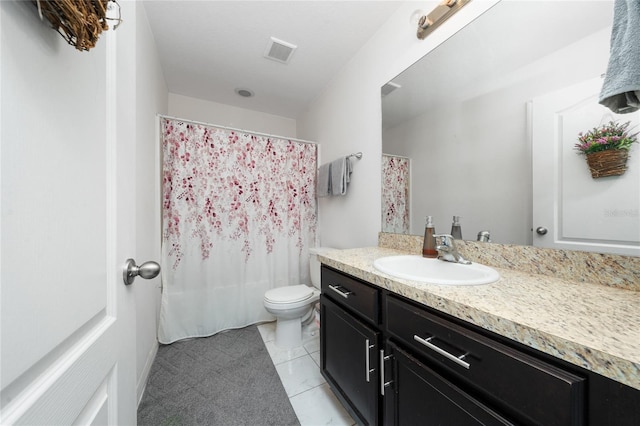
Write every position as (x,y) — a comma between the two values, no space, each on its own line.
(147,271)
(541,230)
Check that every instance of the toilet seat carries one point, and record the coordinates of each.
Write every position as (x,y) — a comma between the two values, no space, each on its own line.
(289,294)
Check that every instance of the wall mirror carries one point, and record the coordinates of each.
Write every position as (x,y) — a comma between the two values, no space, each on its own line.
(461,115)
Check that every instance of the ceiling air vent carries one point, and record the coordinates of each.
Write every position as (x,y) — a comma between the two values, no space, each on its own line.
(279,50)
(388,88)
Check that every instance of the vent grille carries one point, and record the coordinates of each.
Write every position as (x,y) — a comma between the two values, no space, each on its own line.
(279,50)
(388,88)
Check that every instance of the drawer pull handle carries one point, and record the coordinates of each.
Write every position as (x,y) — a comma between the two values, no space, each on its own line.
(370,370)
(344,294)
(457,359)
(383,384)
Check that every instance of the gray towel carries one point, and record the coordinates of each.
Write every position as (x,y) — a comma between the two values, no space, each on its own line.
(340,175)
(621,89)
(323,184)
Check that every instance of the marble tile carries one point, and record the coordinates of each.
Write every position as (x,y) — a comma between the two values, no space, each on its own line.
(312,346)
(299,375)
(280,355)
(299,371)
(267,331)
(316,357)
(318,406)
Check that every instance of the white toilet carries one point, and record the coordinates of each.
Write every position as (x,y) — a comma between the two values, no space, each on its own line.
(293,305)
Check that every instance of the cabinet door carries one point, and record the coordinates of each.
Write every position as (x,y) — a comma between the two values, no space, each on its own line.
(418,395)
(349,360)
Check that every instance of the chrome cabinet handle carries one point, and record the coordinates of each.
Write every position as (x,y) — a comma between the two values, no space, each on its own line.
(147,271)
(344,294)
(541,230)
(383,384)
(370,370)
(457,359)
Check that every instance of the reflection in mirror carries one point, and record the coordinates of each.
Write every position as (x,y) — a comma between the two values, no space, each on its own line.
(396,172)
(462,113)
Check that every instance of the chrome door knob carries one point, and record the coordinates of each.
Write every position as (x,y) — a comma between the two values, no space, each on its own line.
(541,230)
(147,270)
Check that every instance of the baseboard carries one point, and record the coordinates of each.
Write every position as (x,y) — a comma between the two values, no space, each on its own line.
(144,376)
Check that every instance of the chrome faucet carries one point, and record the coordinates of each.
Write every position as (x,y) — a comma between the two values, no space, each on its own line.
(447,250)
(484,236)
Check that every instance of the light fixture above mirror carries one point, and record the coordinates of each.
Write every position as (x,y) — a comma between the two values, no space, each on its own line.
(442,12)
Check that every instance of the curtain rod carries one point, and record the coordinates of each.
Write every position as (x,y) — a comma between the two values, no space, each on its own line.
(236,130)
(397,156)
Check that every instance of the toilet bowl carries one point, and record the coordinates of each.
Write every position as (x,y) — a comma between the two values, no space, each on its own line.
(293,305)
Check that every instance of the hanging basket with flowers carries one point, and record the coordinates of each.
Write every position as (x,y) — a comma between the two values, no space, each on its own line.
(607,148)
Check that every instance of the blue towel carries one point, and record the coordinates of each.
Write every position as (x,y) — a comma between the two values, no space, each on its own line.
(621,89)
(323,184)
(340,175)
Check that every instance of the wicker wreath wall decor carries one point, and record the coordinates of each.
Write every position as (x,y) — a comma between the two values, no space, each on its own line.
(79,22)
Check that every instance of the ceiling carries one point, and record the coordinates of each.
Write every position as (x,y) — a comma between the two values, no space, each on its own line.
(210,48)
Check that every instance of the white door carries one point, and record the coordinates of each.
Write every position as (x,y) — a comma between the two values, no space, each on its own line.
(67,341)
(577,211)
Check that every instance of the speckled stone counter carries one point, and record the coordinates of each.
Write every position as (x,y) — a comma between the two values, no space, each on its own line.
(593,326)
(595,268)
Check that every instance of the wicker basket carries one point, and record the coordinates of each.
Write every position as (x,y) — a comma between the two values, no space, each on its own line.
(79,22)
(612,162)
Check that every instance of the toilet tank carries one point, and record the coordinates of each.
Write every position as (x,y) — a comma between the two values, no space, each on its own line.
(314,264)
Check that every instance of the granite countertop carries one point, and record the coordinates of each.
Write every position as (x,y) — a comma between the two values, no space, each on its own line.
(593,326)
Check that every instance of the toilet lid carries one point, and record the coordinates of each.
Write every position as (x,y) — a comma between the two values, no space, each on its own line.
(289,294)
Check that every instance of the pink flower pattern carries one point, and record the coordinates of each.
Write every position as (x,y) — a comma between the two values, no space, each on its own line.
(395,194)
(223,185)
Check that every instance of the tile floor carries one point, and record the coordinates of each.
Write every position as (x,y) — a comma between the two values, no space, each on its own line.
(299,371)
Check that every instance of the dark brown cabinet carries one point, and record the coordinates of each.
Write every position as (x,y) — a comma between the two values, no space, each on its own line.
(349,358)
(553,396)
(393,361)
(417,392)
(350,342)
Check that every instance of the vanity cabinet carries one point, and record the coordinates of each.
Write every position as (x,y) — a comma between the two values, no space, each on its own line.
(350,343)
(348,360)
(393,361)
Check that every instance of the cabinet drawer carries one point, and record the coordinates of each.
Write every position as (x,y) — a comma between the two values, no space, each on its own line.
(352,294)
(525,387)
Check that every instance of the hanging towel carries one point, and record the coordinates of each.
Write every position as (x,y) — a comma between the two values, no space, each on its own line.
(340,175)
(621,89)
(323,185)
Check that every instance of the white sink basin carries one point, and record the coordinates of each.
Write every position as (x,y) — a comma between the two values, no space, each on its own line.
(434,271)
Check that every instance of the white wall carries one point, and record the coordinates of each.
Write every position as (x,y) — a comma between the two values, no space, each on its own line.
(151,98)
(346,118)
(225,115)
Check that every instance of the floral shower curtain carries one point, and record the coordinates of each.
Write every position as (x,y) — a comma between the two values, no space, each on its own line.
(239,216)
(395,194)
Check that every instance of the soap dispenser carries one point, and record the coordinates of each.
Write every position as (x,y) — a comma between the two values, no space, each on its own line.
(456,230)
(429,244)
